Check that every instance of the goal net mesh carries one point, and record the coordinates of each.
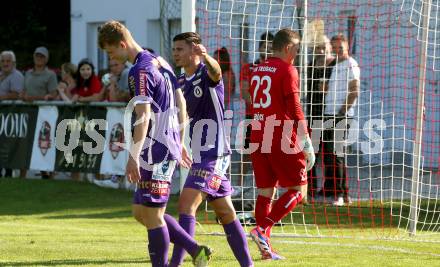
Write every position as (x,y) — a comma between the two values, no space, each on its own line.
(395,44)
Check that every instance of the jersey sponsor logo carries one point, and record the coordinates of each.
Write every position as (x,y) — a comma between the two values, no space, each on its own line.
(116,140)
(159,188)
(199,173)
(196,82)
(198,92)
(142,82)
(163,171)
(154,187)
(266,69)
(44,141)
(215,182)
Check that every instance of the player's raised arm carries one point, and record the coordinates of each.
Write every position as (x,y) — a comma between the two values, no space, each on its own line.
(214,70)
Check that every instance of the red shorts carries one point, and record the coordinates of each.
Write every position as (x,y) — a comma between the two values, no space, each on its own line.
(279,169)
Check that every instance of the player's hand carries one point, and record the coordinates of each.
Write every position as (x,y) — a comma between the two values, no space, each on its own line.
(309,153)
(199,50)
(48,97)
(132,170)
(186,161)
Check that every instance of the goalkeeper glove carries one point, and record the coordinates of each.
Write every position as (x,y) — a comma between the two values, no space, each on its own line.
(308,152)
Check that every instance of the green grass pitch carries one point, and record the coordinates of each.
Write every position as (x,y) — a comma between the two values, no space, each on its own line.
(64,223)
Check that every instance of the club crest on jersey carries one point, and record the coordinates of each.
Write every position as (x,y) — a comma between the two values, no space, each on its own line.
(116,139)
(44,141)
(198,92)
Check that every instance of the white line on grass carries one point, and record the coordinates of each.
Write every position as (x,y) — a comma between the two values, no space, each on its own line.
(400,250)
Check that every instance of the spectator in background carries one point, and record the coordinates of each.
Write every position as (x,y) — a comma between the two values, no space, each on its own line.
(88,85)
(115,89)
(223,58)
(119,72)
(68,82)
(340,102)
(318,74)
(11,85)
(11,80)
(40,83)
(115,83)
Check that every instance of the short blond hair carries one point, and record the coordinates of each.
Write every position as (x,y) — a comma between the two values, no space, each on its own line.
(112,33)
(69,68)
(283,38)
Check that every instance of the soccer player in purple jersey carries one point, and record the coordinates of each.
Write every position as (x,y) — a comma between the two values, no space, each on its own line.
(154,97)
(203,89)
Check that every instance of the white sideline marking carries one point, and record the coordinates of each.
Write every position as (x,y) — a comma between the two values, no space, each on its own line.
(401,250)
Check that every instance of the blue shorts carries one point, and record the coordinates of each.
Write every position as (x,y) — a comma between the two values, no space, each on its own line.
(209,176)
(153,190)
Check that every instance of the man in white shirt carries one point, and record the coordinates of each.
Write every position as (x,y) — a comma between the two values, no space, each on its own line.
(11,80)
(11,85)
(340,102)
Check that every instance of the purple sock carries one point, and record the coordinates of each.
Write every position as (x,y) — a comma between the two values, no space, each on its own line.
(158,244)
(188,223)
(237,241)
(181,240)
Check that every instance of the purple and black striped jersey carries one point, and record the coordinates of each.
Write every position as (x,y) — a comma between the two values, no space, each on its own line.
(204,102)
(149,82)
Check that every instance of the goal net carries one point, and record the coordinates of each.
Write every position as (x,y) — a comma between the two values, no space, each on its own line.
(393,191)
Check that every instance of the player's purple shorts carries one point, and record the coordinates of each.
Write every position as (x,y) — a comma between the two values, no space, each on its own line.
(209,176)
(154,188)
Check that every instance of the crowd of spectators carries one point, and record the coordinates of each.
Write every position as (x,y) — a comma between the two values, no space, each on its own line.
(77,83)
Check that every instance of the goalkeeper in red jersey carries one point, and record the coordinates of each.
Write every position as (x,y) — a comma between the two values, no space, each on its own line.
(281,149)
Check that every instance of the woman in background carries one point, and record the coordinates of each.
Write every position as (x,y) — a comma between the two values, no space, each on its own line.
(88,84)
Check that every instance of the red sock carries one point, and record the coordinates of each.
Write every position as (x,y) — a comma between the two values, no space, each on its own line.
(281,208)
(262,208)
